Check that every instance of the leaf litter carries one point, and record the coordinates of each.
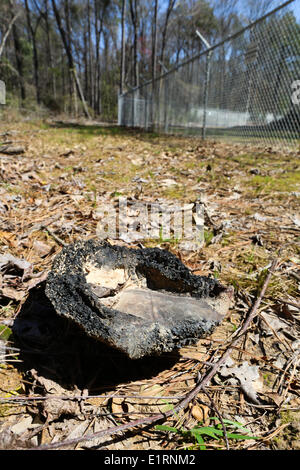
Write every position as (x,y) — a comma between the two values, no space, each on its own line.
(50,194)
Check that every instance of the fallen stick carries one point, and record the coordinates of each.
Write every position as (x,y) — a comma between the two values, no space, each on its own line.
(295,275)
(186,400)
(55,237)
(9,150)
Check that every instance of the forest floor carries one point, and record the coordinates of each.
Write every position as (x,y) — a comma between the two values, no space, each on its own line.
(54,387)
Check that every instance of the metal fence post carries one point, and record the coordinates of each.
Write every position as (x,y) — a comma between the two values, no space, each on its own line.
(2,92)
(153,107)
(166,105)
(205,101)
(120,110)
(206,83)
(133,109)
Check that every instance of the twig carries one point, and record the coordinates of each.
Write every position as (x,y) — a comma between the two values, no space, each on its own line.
(294,229)
(189,396)
(290,303)
(285,372)
(295,275)
(296,362)
(219,416)
(56,238)
(9,150)
(76,397)
(284,342)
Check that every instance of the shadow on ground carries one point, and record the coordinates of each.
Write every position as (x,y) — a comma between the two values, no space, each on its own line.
(60,351)
(250,134)
(93,129)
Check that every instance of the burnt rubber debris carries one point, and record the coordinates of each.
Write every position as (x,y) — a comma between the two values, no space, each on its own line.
(142,302)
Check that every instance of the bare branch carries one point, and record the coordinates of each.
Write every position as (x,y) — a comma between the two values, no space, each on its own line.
(7,32)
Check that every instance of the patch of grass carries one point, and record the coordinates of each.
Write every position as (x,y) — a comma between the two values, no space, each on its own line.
(150,174)
(172,240)
(281,183)
(268,379)
(200,436)
(116,194)
(175,192)
(5,332)
(11,188)
(88,130)
(208,236)
(190,165)
(289,437)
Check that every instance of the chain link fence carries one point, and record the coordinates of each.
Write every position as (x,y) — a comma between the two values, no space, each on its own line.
(246,88)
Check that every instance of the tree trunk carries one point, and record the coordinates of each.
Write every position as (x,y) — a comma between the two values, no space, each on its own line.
(134,19)
(97,85)
(90,57)
(69,54)
(86,65)
(72,85)
(5,36)
(49,48)
(164,32)
(19,56)
(122,76)
(32,32)
(154,47)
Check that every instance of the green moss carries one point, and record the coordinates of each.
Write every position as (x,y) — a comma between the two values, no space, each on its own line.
(176,192)
(268,379)
(289,437)
(286,182)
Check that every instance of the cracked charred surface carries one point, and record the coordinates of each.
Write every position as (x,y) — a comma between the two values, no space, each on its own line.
(139,301)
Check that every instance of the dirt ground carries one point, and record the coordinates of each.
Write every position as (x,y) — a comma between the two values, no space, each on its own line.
(55,384)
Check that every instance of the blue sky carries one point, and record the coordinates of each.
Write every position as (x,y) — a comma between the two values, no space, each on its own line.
(242,5)
(296,9)
(294,6)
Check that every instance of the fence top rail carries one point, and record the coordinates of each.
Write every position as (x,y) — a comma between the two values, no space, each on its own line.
(211,48)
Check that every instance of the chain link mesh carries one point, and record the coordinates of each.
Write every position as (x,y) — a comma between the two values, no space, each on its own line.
(241,89)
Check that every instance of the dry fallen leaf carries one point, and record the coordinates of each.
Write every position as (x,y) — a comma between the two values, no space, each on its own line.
(57,403)
(248,377)
(201,413)
(116,405)
(121,406)
(9,237)
(41,249)
(275,397)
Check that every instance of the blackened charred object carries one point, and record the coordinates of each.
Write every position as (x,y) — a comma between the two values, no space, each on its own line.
(142,302)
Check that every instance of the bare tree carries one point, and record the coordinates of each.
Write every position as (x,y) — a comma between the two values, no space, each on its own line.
(154,47)
(134,19)
(18,51)
(49,46)
(122,74)
(6,34)
(170,8)
(33,30)
(66,39)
